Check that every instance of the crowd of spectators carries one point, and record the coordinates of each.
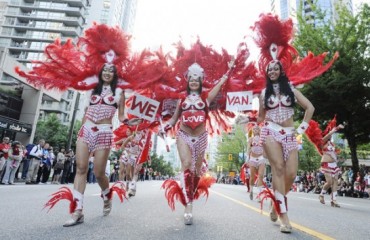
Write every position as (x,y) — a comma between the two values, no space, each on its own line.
(313,181)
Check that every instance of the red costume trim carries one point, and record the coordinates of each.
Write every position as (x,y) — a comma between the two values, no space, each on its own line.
(63,193)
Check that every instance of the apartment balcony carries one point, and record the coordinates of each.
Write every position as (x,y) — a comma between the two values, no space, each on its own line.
(31,26)
(53,8)
(54,108)
(28,16)
(48,37)
(72,3)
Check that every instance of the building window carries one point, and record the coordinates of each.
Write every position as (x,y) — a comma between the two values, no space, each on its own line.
(106,4)
(6,31)
(12,10)
(10,21)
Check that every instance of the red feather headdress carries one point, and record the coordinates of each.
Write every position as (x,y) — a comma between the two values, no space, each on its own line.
(274,37)
(215,65)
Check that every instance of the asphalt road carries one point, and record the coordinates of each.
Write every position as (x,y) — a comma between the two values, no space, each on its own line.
(227,214)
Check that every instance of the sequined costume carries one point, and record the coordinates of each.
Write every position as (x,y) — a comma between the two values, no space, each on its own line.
(103,106)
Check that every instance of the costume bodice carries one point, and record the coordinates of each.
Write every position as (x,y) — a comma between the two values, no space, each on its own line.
(279,107)
(193,110)
(102,106)
(256,145)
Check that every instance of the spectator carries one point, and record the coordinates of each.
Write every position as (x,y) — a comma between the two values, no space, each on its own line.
(59,166)
(67,167)
(4,149)
(90,175)
(350,176)
(15,155)
(36,155)
(45,165)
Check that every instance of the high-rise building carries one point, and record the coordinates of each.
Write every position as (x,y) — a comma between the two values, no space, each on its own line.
(113,13)
(288,9)
(27,27)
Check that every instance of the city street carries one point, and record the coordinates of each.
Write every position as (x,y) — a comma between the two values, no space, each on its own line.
(228,214)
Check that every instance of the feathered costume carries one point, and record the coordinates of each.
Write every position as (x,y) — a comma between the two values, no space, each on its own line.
(315,135)
(213,65)
(274,37)
(325,146)
(78,66)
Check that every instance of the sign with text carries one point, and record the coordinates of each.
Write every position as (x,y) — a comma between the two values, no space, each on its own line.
(143,107)
(14,126)
(239,101)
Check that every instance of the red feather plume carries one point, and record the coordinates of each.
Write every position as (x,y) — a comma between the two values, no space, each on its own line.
(314,134)
(265,194)
(63,193)
(101,38)
(331,125)
(173,192)
(118,189)
(205,182)
(270,29)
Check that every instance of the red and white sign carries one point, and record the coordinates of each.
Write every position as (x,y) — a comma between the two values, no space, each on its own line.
(239,101)
(143,107)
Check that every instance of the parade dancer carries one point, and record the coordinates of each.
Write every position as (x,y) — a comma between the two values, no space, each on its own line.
(202,103)
(192,137)
(329,160)
(100,63)
(133,146)
(280,64)
(245,175)
(256,160)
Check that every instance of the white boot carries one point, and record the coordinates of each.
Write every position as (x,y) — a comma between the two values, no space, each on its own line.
(132,189)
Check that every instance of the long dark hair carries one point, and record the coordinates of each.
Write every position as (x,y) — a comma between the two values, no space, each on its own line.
(285,88)
(113,84)
(199,79)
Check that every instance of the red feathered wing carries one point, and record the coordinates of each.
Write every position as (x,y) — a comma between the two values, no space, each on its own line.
(64,66)
(78,66)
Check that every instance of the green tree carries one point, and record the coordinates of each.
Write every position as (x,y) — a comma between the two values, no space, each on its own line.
(159,165)
(309,158)
(52,131)
(232,143)
(344,89)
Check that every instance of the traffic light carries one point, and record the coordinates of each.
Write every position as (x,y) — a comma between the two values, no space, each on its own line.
(230,157)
